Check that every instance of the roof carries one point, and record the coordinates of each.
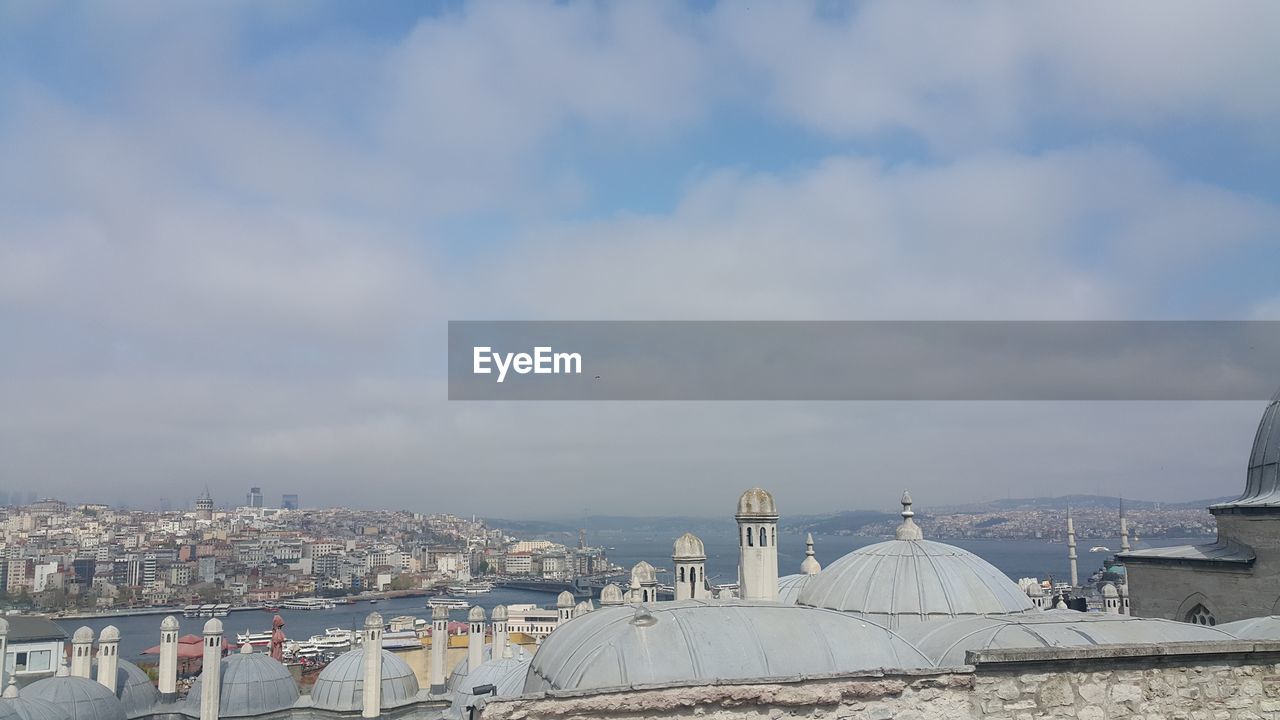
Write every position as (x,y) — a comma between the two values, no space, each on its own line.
(789,587)
(689,547)
(15,707)
(252,684)
(133,686)
(506,674)
(947,643)
(642,573)
(1222,551)
(1262,480)
(757,503)
(903,581)
(704,641)
(33,628)
(81,698)
(340,685)
(1259,628)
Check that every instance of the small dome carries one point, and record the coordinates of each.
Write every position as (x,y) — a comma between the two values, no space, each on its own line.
(642,573)
(134,688)
(110,633)
(506,674)
(170,623)
(16,707)
(80,698)
(1109,590)
(583,608)
(499,613)
(373,621)
(689,547)
(564,599)
(790,587)
(252,684)
(213,626)
(83,634)
(702,641)
(476,614)
(339,687)
(611,594)
(758,504)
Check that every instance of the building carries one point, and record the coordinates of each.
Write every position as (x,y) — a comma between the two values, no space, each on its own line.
(204,506)
(289,502)
(254,498)
(1238,575)
(33,646)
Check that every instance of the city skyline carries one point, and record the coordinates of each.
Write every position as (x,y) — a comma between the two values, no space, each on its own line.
(237,264)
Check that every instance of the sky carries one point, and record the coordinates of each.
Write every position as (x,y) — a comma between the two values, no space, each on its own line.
(231,236)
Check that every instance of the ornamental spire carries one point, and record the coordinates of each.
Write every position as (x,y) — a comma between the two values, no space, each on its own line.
(908,530)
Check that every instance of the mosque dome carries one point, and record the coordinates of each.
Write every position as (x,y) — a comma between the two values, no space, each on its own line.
(757,504)
(911,580)
(134,688)
(15,707)
(642,573)
(564,599)
(506,674)
(339,687)
(610,594)
(702,641)
(1262,482)
(689,547)
(252,684)
(790,587)
(79,698)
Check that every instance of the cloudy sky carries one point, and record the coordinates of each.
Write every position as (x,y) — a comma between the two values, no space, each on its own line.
(231,236)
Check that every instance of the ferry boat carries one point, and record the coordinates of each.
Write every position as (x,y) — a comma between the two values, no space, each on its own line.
(307,604)
(207,610)
(448,602)
(331,643)
(471,588)
(255,639)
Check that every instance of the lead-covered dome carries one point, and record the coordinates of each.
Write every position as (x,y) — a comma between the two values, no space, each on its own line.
(252,684)
(757,503)
(912,580)
(704,641)
(80,698)
(340,685)
(506,675)
(133,686)
(15,707)
(1262,482)
(689,547)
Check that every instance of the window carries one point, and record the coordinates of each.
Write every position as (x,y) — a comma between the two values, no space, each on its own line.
(39,660)
(764,538)
(681,573)
(749,539)
(1200,615)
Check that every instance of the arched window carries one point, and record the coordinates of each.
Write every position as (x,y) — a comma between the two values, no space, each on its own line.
(773,535)
(681,573)
(1200,615)
(764,538)
(750,543)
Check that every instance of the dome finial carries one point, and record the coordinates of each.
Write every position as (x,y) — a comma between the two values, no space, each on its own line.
(810,565)
(11,691)
(908,530)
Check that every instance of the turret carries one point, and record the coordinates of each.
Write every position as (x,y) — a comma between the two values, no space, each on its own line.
(499,628)
(564,606)
(211,670)
(810,564)
(610,595)
(475,638)
(82,651)
(168,671)
(757,518)
(108,657)
(371,666)
(690,558)
(439,643)
(644,583)
(583,608)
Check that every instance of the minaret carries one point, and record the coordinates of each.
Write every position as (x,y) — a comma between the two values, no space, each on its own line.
(1071,548)
(1124,529)
(211,670)
(4,647)
(371,667)
(757,518)
(564,606)
(108,657)
(475,638)
(82,651)
(690,558)
(439,643)
(168,672)
(810,565)
(499,628)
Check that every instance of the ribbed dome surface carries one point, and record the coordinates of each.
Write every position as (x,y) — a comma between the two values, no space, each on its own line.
(505,674)
(790,587)
(340,685)
(29,708)
(134,688)
(689,547)
(81,698)
(757,503)
(904,581)
(708,641)
(1262,482)
(252,684)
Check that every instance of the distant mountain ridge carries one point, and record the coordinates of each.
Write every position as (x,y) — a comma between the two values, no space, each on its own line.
(1080,501)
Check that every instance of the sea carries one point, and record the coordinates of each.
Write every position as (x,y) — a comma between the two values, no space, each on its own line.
(1016,558)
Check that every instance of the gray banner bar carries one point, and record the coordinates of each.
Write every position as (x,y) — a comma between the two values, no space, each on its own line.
(942,360)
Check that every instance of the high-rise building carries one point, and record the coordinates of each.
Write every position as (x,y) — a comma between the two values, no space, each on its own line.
(255,497)
(289,502)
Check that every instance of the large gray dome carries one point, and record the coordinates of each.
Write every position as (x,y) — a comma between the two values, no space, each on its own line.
(252,684)
(1262,482)
(340,685)
(703,641)
(15,707)
(904,581)
(134,688)
(81,698)
(506,674)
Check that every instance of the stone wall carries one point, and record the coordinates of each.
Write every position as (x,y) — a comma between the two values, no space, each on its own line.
(1225,681)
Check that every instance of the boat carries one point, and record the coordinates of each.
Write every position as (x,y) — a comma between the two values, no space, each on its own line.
(207,610)
(1099,548)
(254,639)
(307,604)
(267,607)
(448,602)
(373,601)
(471,588)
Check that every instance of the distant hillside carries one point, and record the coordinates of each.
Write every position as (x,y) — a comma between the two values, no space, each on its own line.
(848,522)
(1085,501)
